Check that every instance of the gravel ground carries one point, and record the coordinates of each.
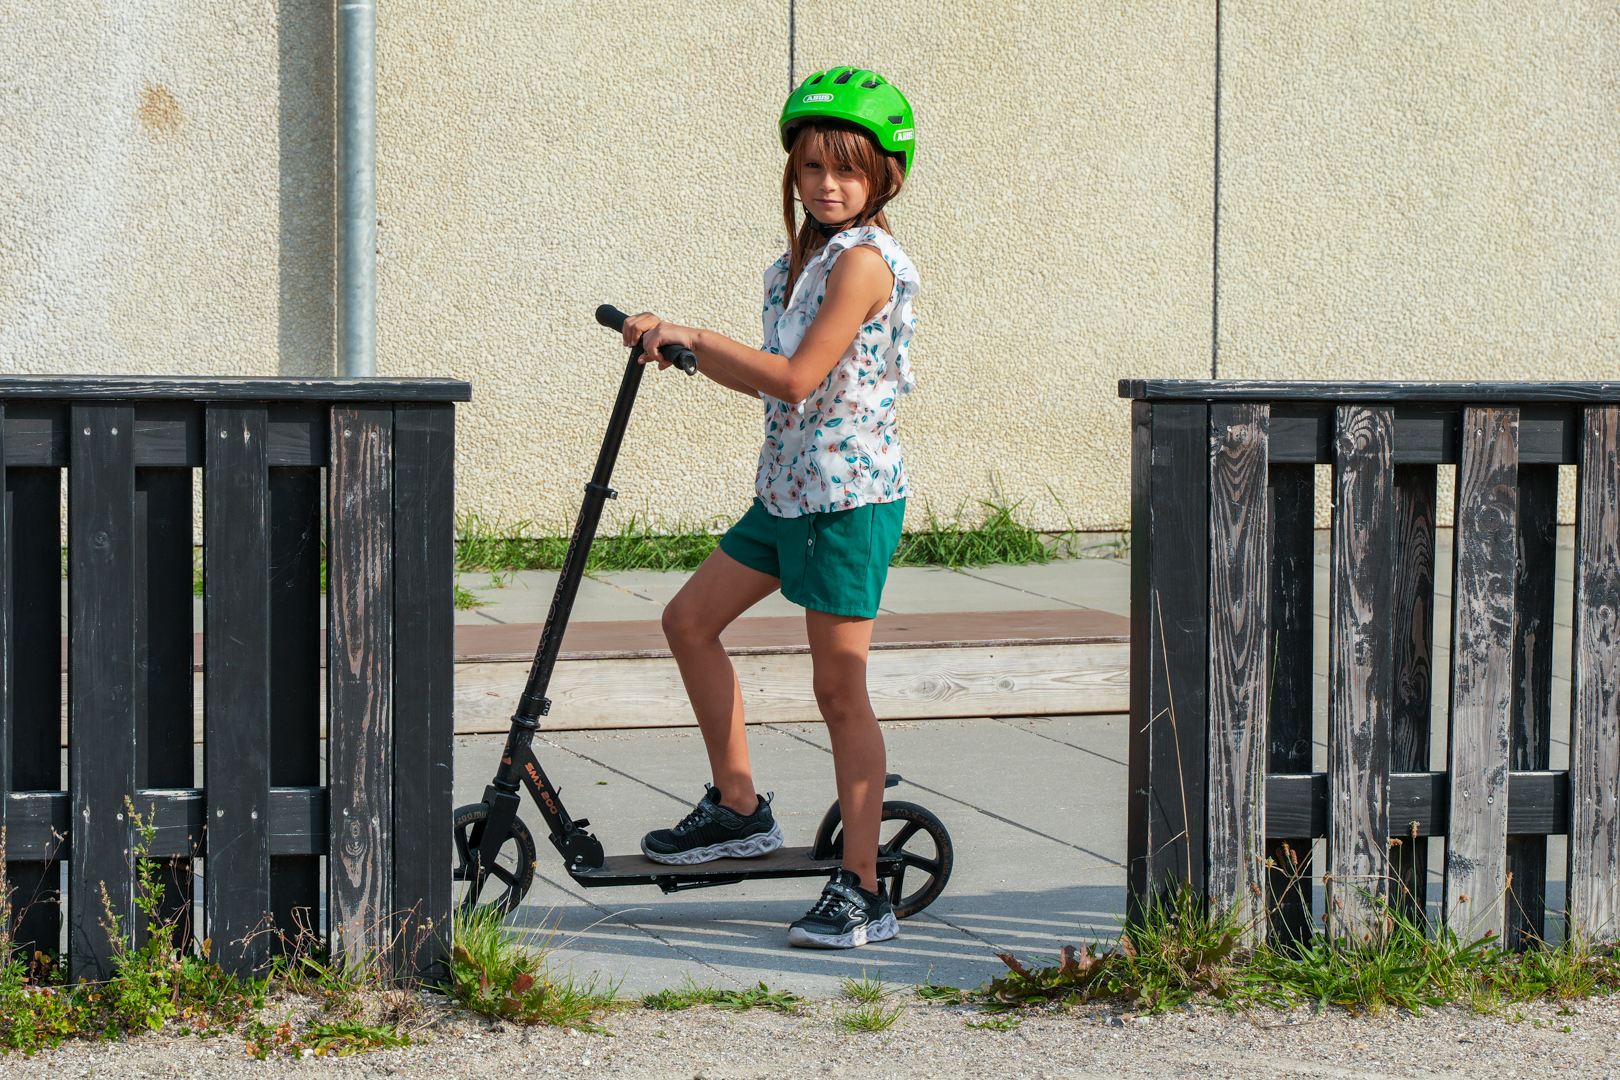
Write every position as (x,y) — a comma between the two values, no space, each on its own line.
(927,1041)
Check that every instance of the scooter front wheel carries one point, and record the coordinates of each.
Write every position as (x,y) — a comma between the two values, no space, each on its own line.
(511,876)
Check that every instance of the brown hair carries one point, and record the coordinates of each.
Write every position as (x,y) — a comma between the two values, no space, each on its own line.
(840,144)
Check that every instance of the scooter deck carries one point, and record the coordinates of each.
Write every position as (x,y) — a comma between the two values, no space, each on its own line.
(640,870)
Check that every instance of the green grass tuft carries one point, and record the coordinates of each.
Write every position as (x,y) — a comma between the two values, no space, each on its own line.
(494,972)
(867,990)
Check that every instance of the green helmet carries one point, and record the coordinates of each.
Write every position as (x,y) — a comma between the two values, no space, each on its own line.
(854,96)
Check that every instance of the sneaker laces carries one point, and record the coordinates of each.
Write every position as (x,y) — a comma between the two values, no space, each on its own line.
(701,814)
(835,894)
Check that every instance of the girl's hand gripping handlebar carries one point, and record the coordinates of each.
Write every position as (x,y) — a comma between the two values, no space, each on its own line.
(679,355)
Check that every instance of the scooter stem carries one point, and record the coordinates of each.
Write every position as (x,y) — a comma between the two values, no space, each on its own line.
(534,703)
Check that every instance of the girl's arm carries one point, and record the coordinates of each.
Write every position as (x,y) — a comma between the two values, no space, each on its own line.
(857,289)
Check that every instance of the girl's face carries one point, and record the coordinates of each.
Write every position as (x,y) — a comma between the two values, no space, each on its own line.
(833,193)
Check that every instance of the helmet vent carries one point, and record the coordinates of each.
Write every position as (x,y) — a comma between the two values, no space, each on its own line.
(870,84)
(896,119)
(817,79)
(844,78)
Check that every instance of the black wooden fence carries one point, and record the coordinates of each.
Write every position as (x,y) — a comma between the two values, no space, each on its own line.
(1222,788)
(258,817)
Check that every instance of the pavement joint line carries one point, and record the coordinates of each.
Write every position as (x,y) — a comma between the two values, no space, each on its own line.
(482,614)
(964,931)
(621,588)
(611,769)
(1014,588)
(1108,864)
(630,923)
(1061,742)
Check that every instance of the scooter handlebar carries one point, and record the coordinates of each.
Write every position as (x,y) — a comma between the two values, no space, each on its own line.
(679,355)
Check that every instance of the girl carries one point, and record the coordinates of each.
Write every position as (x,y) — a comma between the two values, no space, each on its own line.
(831,486)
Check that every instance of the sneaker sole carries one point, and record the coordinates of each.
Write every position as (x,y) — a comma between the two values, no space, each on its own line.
(882,930)
(751,847)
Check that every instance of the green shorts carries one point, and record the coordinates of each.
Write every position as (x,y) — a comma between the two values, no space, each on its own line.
(835,562)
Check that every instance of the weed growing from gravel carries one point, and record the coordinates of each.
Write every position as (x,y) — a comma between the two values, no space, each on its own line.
(867,990)
(689,994)
(870,1017)
(153,984)
(337,1038)
(1181,950)
(494,972)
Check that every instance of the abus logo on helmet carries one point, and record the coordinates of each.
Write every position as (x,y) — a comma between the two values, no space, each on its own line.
(808,98)
(903,135)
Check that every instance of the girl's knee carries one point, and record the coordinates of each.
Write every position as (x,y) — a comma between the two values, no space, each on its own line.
(682,624)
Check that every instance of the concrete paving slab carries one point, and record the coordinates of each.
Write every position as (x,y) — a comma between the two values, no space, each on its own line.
(1030,804)
(1104,584)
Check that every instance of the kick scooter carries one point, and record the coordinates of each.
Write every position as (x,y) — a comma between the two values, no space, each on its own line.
(495,849)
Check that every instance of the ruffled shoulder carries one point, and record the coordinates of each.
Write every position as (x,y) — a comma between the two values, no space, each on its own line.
(905,272)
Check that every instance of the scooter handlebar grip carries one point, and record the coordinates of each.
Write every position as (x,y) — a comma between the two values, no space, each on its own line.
(679,355)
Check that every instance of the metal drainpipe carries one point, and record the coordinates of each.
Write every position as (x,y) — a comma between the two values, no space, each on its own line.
(356,152)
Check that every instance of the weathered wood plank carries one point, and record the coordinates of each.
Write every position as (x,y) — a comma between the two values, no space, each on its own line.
(1169,650)
(1530,746)
(904,684)
(1239,629)
(163,659)
(424,677)
(1538,802)
(1594,745)
(137,388)
(40,822)
(35,705)
(1461,393)
(1485,566)
(1292,520)
(295,692)
(1410,721)
(237,673)
(359,666)
(101,679)
(1360,665)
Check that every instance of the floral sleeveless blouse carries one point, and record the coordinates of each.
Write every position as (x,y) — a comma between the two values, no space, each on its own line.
(838,449)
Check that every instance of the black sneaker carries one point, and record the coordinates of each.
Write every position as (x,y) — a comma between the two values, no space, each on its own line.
(845,916)
(712,831)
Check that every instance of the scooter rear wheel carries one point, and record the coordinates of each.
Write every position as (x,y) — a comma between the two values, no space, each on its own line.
(511,876)
(912,841)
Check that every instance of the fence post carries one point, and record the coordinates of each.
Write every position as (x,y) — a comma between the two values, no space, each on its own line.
(1594,741)
(1360,658)
(360,654)
(236,683)
(1169,647)
(1485,570)
(1239,600)
(101,681)
(424,678)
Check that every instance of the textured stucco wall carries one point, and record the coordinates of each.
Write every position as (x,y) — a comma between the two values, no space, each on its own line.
(166,204)
(1411,190)
(1420,191)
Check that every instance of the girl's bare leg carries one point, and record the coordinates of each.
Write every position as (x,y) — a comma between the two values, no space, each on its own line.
(721,590)
(838,646)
